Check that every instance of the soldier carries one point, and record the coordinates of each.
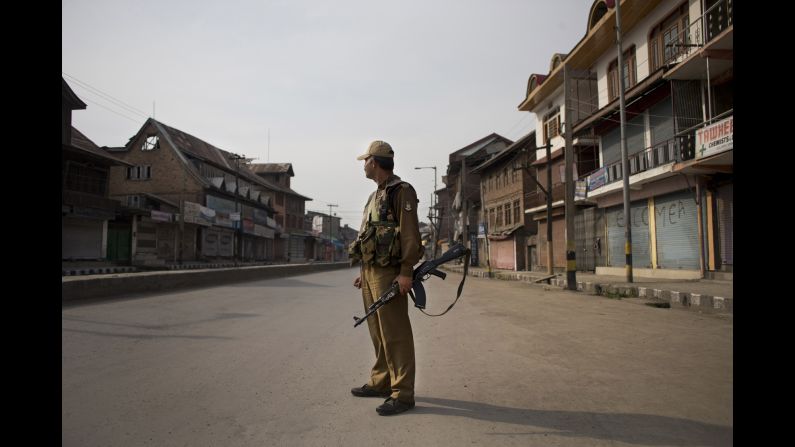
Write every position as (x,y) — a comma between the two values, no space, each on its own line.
(388,246)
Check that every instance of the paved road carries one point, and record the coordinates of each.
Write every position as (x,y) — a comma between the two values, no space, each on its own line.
(272,362)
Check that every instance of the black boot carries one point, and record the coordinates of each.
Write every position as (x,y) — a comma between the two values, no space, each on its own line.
(393,406)
(366,391)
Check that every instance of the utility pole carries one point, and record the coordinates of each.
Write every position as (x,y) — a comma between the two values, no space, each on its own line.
(550,258)
(181,241)
(624,160)
(571,245)
(239,229)
(432,212)
(330,226)
(465,219)
(548,193)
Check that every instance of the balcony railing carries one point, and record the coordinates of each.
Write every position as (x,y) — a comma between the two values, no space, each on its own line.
(676,149)
(714,21)
(82,199)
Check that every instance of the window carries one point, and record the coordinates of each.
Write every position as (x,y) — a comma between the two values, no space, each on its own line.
(86,179)
(551,125)
(516,212)
(507,214)
(133,201)
(499,216)
(142,172)
(492,218)
(630,74)
(669,38)
(151,143)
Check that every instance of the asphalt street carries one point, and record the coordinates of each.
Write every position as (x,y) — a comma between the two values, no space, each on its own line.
(272,362)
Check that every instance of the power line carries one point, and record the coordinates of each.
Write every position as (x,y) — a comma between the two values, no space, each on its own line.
(113,111)
(106,96)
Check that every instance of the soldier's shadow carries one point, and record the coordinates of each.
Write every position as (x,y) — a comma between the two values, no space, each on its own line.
(644,429)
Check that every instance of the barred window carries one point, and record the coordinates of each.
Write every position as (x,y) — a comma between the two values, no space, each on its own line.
(86,179)
(551,125)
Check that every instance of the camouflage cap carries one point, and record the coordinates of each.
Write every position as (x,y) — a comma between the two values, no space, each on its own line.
(378,148)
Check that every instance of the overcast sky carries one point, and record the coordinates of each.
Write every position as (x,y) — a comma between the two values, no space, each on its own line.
(323,78)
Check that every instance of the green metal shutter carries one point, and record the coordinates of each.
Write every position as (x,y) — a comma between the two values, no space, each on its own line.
(639,212)
(677,231)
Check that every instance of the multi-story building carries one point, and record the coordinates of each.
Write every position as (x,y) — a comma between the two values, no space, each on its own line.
(504,229)
(326,229)
(677,72)
(459,201)
(296,244)
(187,200)
(86,208)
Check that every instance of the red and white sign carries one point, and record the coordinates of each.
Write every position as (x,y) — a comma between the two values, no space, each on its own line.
(715,139)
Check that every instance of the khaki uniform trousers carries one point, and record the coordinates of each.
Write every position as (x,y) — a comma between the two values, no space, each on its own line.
(390,330)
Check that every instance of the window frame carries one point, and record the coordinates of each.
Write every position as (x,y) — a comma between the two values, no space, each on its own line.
(679,22)
(630,73)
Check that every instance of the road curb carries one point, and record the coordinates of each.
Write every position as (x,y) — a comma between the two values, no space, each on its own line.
(673,298)
(110,286)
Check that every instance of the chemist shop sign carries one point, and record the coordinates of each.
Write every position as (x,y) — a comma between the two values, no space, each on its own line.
(715,139)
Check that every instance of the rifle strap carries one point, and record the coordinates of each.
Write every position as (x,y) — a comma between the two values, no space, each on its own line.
(460,288)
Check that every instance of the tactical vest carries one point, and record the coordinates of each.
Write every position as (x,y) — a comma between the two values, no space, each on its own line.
(379,240)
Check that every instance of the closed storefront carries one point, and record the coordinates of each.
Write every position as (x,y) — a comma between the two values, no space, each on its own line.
(296,248)
(725,198)
(81,238)
(217,242)
(639,213)
(676,224)
(503,254)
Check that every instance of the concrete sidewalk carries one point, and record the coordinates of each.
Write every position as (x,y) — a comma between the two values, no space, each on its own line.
(702,295)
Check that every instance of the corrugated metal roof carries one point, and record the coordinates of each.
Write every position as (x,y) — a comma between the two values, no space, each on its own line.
(69,96)
(192,145)
(82,142)
(272,168)
(526,141)
(477,145)
(186,142)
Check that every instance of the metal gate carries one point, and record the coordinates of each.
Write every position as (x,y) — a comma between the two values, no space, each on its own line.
(296,248)
(639,215)
(119,240)
(585,234)
(677,231)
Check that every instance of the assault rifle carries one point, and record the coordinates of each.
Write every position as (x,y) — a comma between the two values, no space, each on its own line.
(420,274)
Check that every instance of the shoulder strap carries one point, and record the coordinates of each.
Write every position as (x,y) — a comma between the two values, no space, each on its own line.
(390,196)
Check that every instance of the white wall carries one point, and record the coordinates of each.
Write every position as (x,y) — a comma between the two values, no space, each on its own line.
(555,100)
(638,36)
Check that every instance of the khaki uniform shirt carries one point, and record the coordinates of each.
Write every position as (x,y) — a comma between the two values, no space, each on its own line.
(405,205)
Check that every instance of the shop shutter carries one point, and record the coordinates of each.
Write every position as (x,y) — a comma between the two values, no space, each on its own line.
(503,254)
(209,242)
(726,223)
(81,239)
(296,248)
(677,231)
(639,212)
